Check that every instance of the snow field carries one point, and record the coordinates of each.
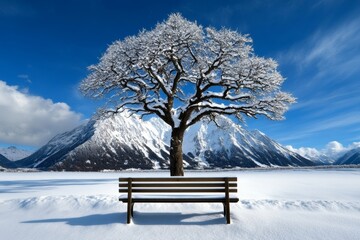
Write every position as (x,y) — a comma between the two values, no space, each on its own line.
(274,204)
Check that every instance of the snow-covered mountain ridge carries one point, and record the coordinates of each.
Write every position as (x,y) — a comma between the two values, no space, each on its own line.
(330,154)
(5,163)
(58,147)
(125,142)
(13,153)
(351,157)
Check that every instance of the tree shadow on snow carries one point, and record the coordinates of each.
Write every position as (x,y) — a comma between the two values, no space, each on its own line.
(173,218)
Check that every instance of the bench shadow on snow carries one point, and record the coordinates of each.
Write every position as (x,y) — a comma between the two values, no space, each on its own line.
(90,220)
(173,218)
(178,218)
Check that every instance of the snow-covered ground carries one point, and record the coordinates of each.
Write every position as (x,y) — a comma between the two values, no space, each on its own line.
(274,204)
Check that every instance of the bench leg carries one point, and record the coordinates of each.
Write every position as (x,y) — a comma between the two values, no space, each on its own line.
(129,213)
(227,212)
(132,209)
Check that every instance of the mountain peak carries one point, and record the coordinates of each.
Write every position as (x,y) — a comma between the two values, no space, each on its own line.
(258,133)
(13,153)
(351,157)
(124,142)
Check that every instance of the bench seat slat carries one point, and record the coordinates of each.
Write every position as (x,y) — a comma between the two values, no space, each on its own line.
(177,185)
(180,179)
(178,197)
(182,200)
(199,190)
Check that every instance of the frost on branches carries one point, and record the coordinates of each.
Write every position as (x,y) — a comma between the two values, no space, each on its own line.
(183,73)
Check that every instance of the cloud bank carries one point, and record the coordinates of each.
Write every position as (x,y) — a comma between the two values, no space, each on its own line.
(332,150)
(32,120)
(330,50)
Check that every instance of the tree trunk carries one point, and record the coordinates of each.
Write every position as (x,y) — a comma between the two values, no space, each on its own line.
(176,155)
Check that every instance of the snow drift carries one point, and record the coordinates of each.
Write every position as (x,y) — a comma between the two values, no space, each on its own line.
(274,205)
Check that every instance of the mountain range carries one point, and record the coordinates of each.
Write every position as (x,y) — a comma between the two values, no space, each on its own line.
(6,163)
(128,142)
(13,153)
(351,157)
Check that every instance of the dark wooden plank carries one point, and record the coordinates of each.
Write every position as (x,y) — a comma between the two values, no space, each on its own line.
(178,190)
(181,200)
(180,179)
(164,190)
(178,185)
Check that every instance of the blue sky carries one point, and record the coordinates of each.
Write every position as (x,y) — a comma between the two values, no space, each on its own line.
(46,46)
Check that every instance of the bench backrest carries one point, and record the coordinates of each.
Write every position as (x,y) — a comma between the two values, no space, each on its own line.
(178,185)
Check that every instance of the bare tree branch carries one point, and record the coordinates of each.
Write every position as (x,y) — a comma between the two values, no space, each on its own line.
(183,73)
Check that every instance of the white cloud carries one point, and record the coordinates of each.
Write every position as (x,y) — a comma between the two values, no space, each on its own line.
(352,118)
(332,150)
(32,120)
(305,151)
(355,145)
(333,51)
(309,128)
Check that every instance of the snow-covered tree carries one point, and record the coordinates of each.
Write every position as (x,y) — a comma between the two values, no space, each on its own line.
(184,73)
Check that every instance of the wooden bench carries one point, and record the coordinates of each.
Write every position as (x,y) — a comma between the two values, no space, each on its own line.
(198,190)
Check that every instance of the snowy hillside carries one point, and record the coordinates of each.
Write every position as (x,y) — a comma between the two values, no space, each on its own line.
(226,144)
(333,154)
(124,142)
(5,163)
(274,205)
(351,157)
(57,148)
(120,143)
(13,153)
(318,157)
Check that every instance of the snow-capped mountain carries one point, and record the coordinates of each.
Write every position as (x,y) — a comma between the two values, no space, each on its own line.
(318,157)
(351,157)
(58,147)
(124,142)
(13,153)
(226,144)
(5,163)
